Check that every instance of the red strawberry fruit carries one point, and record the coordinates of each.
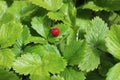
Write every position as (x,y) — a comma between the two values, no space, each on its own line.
(55,31)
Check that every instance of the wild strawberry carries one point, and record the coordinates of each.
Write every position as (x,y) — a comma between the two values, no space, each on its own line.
(55,31)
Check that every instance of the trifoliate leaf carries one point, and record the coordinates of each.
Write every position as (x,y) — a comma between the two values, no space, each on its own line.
(27,63)
(52,5)
(96,33)
(54,77)
(3,8)
(6,58)
(113,41)
(42,49)
(41,25)
(114,73)
(9,32)
(35,40)
(87,58)
(71,74)
(54,63)
(5,75)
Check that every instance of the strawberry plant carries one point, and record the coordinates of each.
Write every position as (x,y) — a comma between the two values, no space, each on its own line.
(59,40)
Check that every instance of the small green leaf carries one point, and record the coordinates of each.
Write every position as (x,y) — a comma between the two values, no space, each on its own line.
(35,40)
(54,63)
(41,25)
(52,5)
(114,73)
(113,41)
(56,16)
(5,75)
(71,74)
(69,11)
(6,58)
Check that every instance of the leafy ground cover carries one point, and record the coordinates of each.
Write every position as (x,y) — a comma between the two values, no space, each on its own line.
(59,40)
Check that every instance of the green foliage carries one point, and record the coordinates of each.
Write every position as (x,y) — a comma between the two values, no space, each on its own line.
(113,41)
(6,58)
(87,47)
(71,74)
(113,73)
(108,4)
(52,5)
(5,75)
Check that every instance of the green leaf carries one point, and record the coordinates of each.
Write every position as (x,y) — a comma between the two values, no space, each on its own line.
(41,25)
(71,74)
(40,74)
(35,40)
(27,63)
(24,8)
(69,11)
(108,4)
(31,64)
(25,34)
(91,5)
(6,58)
(51,5)
(3,8)
(54,63)
(73,52)
(7,18)
(96,33)
(56,16)
(114,73)
(89,60)
(9,33)
(41,49)
(113,41)
(54,77)
(5,75)
(17,47)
